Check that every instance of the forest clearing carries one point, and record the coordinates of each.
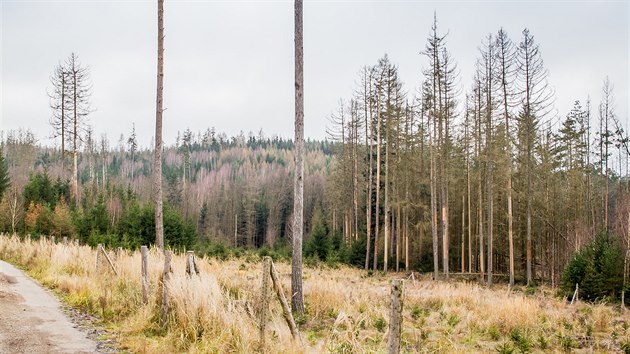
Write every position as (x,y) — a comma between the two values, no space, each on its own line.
(448,196)
(347,310)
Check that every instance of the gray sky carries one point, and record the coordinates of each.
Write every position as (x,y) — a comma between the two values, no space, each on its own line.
(229,64)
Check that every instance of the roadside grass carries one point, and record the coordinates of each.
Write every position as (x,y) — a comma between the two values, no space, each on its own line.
(346,311)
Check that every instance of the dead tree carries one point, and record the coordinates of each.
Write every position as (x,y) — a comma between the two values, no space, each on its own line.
(297,298)
(157,172)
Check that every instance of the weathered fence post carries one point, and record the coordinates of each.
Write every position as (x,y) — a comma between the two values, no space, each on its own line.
(395,317)
(145,275)
(191,264)
(165,277)
(98,256)
(286,311)
(264,301)
(109,260)
(575,294)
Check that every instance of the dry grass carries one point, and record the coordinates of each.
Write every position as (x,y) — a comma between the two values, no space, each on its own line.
(347,311)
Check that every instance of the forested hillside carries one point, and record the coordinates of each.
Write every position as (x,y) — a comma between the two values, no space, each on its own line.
(234,191)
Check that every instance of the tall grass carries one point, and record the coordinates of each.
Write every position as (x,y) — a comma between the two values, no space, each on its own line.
(347,311)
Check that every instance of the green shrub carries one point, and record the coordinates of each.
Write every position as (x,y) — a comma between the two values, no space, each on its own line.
(598,269)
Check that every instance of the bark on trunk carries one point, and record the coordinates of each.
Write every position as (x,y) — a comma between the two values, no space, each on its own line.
(297,300)
(157,173)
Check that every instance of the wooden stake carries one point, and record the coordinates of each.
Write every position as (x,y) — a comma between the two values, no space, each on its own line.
(286,311)
(575,294)
(165,277)
(98,256)
(109,260)
(395,317)
(145,276)
(191,264)
(264,299)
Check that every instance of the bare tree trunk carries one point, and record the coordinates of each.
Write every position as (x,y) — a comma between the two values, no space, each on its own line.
(368,206)
(75,147)
(157,173)
(468,192)
(297,298)
(434,225)
(387,215)
(355,173)
(377,210)
(625,265)
(463,253)
(398,233)
(480,194)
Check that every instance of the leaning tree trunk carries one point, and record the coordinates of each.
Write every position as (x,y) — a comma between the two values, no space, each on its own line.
(157,173)
(297,300)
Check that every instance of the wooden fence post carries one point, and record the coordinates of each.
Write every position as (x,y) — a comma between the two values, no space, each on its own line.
(145,276)
(191,264)
(109,260)
(98,257)
(575,294)
(286,311)
(165,277)
(395,317)
(264,301)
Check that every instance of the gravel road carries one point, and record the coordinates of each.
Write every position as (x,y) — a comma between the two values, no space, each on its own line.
(32,320)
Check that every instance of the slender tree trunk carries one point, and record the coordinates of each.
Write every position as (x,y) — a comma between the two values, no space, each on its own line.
(386,202)
(368,206)
(377,210)
(433,208)
(75,145)
(466,140)
(157,173)
(355,195)
(463,247)
(479,189)
(297,299)
(398,233)
(489,160)
(63,121)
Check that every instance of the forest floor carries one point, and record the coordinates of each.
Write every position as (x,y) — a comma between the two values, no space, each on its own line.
(347,309)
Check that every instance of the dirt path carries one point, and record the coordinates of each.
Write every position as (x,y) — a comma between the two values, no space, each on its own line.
(31,320)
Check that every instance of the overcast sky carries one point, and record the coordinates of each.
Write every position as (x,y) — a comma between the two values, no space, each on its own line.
(229,64)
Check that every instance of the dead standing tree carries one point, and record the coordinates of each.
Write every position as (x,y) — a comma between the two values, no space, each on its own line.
(59,105)
(297,298)
(77,108)
(157,173)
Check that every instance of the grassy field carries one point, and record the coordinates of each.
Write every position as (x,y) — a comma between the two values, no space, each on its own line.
(347,309)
